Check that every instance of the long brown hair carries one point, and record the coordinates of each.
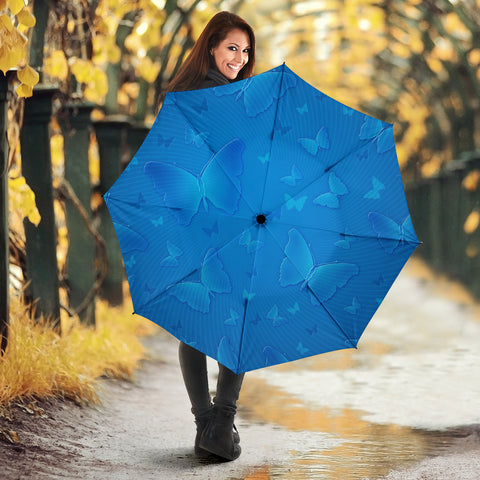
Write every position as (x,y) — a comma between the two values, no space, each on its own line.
(194,69)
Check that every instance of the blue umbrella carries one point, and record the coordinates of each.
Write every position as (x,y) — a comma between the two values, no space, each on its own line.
(262,221)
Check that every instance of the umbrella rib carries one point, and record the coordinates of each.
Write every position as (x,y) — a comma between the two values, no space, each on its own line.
(318,300)
(212,150)
(272,135)
(352,235)
(164,292)
(194,128)
(243,331)
(281,205)
(347,339)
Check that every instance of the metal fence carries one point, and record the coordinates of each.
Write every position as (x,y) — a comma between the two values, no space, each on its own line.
(445,211)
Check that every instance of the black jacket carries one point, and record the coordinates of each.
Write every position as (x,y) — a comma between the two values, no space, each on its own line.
(213,79)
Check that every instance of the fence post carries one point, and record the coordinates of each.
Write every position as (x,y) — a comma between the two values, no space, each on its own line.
(135,137)
(111,138)
(75,122)
(471,203)
(41,240)
(5,93)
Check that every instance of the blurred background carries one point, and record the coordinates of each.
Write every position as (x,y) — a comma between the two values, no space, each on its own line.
(80,87)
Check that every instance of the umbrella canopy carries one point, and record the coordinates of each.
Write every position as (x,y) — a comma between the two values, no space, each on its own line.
(262,221)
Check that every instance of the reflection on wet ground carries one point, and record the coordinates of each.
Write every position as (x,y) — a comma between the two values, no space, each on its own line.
(367,450)
(382,405)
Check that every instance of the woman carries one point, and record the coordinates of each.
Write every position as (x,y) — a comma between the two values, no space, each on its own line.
(224,52)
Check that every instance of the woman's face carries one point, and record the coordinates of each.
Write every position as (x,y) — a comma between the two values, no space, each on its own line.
(231,54)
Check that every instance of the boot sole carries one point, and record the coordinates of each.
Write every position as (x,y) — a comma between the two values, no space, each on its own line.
(215,450)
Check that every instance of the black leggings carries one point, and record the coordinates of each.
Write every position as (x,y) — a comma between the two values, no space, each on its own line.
(194,370)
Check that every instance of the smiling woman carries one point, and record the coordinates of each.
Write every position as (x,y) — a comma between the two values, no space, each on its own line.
(226,47)
(224,53)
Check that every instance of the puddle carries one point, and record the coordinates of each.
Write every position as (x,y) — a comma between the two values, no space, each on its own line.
(365,451)
(396,401)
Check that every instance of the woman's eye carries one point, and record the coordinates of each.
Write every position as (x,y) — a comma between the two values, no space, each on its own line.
(234,49)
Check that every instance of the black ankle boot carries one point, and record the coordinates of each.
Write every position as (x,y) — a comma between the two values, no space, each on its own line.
(219,436)
(201,421)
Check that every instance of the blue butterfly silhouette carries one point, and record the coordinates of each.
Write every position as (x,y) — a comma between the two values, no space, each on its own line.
(200,108)
(158,222)
(301,349)
(212,230)
(256,92)
(225,353)
(293,310)
(264,158)
(246,241)
(173,253)
(248,296)
(321,141)
(354,307)
(298,266)
(194,138)
(391,234)
(140,200)
(129,263)
(274,315)
(161,140)
(293,177)
(232,319)
(218,182)
(379,131)
(129,239)
(337,189)
(281,127)
(377,187)
(213,280)
(303,109)
(313,330)
(347,239)
(297,203)
(273,357)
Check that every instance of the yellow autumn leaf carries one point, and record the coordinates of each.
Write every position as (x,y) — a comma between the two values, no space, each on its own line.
(28,75)
(15,5)
(10,57)
(82,70)
(6,21)
(57,151)
(26,18)
(97,87)
(148,70)
(474,56)
(471,223)
(22,199)
(100,81)
(24,90)
(133,43)
(56,65)
(470,182)
(4,59)
(3,4)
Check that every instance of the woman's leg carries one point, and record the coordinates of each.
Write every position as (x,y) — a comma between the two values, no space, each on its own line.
(194,370)
(220,436)
(228,388)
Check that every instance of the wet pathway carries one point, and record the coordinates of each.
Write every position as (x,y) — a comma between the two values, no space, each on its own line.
(408,394)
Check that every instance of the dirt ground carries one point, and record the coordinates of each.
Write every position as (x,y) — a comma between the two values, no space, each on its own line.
(143,430)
